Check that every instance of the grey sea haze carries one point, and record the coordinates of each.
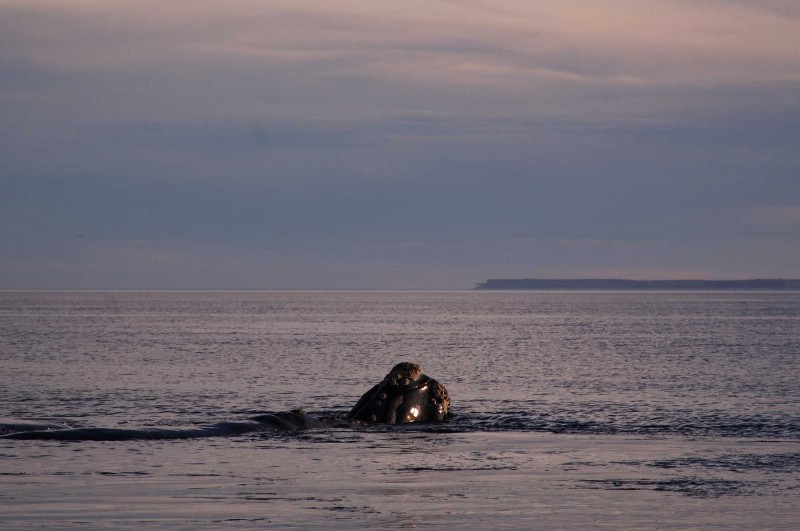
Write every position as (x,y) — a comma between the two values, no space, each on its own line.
(615,410)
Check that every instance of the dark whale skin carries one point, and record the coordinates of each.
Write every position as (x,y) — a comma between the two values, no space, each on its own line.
(404,396)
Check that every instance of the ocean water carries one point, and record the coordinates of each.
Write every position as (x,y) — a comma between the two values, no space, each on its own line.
(571,410)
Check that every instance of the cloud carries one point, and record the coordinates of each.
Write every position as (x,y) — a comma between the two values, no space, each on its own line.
(456,139)
(782,216)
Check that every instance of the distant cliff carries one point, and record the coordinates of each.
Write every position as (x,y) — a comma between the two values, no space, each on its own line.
(621,284)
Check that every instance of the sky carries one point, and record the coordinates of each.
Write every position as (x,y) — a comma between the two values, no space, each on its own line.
(396,145)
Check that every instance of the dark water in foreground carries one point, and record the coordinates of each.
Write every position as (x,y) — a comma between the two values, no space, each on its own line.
(571,410)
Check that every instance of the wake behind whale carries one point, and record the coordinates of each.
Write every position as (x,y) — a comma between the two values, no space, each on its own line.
(284,422)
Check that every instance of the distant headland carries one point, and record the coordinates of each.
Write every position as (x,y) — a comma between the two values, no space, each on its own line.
(766,284)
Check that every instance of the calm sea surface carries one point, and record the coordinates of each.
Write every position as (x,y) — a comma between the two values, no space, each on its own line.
(613,410)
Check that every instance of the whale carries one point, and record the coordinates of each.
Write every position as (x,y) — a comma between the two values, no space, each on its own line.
(404,396)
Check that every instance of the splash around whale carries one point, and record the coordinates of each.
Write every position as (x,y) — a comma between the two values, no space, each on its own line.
(404,396)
